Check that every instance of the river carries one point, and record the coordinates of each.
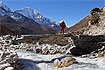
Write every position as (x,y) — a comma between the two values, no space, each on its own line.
(34,61)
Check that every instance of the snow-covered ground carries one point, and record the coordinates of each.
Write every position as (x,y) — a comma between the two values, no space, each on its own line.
(33,61)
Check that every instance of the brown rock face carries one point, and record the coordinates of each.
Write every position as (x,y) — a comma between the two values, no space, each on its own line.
(86,44)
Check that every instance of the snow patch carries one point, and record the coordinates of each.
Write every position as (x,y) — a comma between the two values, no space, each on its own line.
(4,6)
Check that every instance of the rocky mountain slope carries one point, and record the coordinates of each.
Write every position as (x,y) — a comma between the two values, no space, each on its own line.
(5,7)
(83,23)
(96,23)
(93,24)
(4,31)
(20,24)
(23,27)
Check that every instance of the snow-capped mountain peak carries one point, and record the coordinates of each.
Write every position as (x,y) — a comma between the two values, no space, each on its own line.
(39,18)
(4,6)
(37,13)
(27,11)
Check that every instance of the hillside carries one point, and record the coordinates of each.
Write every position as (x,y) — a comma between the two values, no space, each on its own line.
(93,24)
(83,23)
(4,31)
(23,27)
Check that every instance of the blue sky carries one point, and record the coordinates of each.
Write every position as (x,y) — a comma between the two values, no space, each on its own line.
(71,11)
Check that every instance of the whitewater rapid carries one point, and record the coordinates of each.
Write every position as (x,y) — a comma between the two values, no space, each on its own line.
(34,61)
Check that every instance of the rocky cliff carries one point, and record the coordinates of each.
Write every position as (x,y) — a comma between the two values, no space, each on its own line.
(86,44)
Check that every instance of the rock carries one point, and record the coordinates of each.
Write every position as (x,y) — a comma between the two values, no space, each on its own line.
(9,68)
(65,62)
(77,52)
(9,60)
(68,61)
(95,54)
(83,56)
(51,49)
(3,66)
(38,50)
(86,44)
(57,63)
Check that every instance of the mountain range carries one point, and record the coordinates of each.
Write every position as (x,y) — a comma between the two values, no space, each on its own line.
(29,21)
(39,18)
(26,21)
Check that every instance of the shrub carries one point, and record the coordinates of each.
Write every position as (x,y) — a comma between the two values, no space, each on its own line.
(95,19)
(97,24)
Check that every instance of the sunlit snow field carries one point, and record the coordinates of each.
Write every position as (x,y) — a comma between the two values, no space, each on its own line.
(33,61)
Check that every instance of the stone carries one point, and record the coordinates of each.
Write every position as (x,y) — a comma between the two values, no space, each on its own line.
(85,44)
(57,63)
(9,68)
(9,60)
(65,62)
(38,50)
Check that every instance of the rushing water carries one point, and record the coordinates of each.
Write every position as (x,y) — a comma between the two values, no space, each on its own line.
(33,61)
